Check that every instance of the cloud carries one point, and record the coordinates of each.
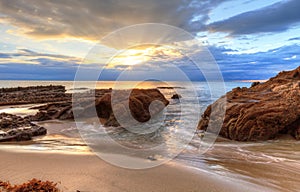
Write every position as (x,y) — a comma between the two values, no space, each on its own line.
(260,65)
(29,65)
(92,19)
(275,18)
(4,55)
(27,56)
(294,39)
(17,71)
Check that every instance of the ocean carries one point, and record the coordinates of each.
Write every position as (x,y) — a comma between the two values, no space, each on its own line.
(272,164)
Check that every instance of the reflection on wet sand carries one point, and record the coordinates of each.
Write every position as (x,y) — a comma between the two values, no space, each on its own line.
(274,164)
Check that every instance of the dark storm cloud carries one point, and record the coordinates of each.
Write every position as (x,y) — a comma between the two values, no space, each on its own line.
(275,18)
(93,18)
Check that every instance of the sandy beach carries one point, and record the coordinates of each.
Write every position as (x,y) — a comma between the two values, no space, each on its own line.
(62,155)
(90,173)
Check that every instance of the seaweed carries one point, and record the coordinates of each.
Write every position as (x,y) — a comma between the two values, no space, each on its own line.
(33,185)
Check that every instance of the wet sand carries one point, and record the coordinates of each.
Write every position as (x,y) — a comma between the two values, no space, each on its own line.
(89,173)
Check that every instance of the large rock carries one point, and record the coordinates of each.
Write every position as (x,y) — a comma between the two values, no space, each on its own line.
(260,112)
(142,104)
(15,128)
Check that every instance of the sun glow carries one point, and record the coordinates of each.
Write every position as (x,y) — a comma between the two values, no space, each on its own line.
(142,54)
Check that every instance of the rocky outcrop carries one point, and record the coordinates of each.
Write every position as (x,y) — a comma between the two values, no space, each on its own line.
(64,110)
(143,103)
(15,128)
(140,100)
(61,111)
(260,112)
(34,94)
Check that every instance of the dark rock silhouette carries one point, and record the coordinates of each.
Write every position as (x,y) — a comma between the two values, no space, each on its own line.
(176,96)
(255,83)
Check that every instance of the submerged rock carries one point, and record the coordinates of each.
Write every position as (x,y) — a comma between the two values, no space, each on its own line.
(176,96)
(260,112)
(152,158)
(255,83)
(15,128)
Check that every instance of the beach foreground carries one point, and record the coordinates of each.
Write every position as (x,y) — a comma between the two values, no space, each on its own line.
(62,156)
(90,173)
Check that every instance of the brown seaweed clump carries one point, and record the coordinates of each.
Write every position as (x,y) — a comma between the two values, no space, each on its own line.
(33,185)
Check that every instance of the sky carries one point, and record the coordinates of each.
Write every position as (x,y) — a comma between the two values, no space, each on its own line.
(51,39)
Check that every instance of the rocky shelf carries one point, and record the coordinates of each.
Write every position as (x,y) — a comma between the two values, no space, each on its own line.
(57,104)
(15,128)
(34,94)
(88,106)
(63,110)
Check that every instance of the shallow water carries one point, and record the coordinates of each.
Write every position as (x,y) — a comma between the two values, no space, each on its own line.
(273,164)
(21,110)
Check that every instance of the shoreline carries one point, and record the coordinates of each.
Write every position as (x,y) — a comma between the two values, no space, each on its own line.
(89,173)
(60,157)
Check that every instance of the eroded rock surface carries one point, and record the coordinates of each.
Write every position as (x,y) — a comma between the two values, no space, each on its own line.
(15,128)
(143,103)
(61,111)
(260,112)
(34,94)
(64,110)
